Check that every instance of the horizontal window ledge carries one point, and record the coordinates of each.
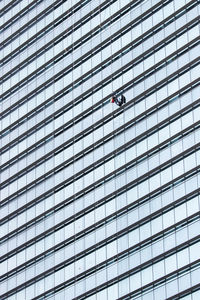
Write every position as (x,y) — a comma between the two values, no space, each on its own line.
(140,179)
(100,66)
(159,281)
(124,231)
(40,16)
(105,263)
(79,98)
(64,203)
(62,36)
(101,141)
(186,292)
(6,8)
(79,42)
(126,274)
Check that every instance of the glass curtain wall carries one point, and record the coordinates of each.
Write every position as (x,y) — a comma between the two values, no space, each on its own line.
(100,201)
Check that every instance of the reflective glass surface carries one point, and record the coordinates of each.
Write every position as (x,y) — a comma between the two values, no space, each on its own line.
(100,201)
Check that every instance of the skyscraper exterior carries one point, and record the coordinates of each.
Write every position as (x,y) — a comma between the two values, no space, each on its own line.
(100,202)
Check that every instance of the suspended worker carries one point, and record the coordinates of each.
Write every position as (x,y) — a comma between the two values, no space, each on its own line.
(118,100)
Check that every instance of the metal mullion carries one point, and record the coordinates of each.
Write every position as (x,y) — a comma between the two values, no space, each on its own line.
(137,20)
(80,59)
(188,108)
(65,15)
(45,121)
(42,68)
(136,247)
(186,292)
(40,16)
(110,238)
(103,264)
(8,7)
(60,37)
(143,177)
(64,203)
(137,79)
(19,14)
(159,281)
(113,153)
(107,118)
(67,69)
(118,213)
(124,275)
(55,189)
(146,132)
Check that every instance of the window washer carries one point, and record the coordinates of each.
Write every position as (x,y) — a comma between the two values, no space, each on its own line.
(118,101)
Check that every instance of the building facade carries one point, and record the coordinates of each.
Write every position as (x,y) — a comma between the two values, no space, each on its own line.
(100,201)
